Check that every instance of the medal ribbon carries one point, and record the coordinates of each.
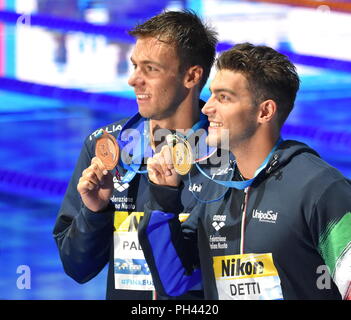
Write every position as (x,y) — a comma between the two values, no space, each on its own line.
(240,185)
(143,146)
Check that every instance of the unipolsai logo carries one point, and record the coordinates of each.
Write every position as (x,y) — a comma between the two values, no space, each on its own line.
(268,216)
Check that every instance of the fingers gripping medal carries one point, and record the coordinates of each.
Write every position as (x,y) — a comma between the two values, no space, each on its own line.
(182,156)
(106,149)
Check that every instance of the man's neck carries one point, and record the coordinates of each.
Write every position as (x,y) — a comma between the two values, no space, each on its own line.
(187,114)
(184,117)
(251,154)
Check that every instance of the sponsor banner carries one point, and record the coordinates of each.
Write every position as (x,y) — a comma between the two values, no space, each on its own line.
(247,277)
(130,268)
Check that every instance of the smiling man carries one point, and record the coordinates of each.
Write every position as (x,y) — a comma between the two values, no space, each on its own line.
(101,210)
(158,84)
(165,92)
(283,228)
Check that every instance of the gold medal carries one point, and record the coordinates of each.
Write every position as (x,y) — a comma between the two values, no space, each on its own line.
(182,157)
(107,150)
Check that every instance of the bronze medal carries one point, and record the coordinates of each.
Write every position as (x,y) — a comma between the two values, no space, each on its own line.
(182,157)
(107,150)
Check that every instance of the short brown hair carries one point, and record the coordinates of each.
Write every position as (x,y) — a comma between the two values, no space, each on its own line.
(270,75)
(195,42)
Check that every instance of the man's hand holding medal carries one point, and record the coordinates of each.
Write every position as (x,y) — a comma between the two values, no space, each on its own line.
(174,159)
(96,183)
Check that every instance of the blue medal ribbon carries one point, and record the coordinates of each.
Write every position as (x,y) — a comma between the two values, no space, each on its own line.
(142,145)
(240,185)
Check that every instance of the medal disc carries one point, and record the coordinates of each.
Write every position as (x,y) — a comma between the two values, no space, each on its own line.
(182,157)
(107,150)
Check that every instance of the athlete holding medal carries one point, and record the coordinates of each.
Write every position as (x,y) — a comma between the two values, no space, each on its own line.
(283,228)
(103,205)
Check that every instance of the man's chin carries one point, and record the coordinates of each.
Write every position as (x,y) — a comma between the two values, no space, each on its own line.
(145,113)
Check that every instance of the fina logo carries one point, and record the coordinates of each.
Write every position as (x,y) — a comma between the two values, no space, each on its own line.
(195,187)
(268,216)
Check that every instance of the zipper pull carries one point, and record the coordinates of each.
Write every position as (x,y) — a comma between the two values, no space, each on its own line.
(243,202)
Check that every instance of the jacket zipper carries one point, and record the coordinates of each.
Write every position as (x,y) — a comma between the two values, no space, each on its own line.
(243,219)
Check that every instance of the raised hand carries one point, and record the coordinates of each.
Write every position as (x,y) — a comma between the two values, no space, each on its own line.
(161,170)
(95,186)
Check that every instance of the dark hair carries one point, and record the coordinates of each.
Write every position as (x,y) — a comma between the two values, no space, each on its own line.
(270,75)
(195,42)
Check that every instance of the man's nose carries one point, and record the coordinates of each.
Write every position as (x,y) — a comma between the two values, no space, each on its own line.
(209,107)
(136,79)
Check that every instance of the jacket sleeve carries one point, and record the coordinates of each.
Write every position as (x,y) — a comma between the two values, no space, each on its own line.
(331,226)
(83,237)
(170,247)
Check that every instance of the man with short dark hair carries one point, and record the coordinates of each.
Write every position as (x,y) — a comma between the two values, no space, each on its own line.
(283,228)
(98,219)
(194,42)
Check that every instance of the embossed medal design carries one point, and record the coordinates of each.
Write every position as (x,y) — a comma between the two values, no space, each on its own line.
(182,156)
(107,150)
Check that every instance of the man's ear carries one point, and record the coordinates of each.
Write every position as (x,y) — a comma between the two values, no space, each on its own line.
(267,111)
(193,76)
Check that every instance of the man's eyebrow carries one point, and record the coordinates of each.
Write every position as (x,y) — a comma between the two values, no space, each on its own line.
(147,62)
(218,90)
